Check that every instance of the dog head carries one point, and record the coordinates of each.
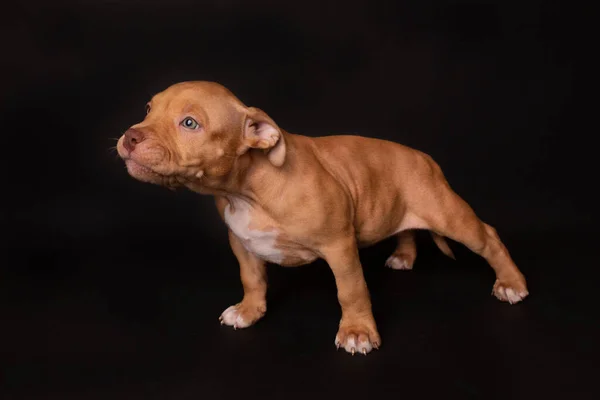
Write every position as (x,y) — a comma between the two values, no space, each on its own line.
(194,131)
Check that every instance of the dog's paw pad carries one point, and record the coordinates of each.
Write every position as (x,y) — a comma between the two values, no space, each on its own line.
(399,262)
(512,293)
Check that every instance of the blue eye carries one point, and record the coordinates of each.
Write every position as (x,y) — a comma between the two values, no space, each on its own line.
(190,123)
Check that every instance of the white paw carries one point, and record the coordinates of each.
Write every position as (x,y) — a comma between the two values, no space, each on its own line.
(352,345)
(356,341)
(395,262)
(231,316)
(510,294)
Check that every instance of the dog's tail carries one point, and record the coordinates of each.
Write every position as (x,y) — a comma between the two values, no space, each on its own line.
(442,245)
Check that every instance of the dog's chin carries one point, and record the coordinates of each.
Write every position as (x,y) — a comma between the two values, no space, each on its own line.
(143,174)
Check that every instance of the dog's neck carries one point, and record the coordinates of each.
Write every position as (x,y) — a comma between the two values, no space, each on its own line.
(252,174)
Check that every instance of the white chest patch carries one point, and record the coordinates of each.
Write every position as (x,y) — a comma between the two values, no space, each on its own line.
(260,243)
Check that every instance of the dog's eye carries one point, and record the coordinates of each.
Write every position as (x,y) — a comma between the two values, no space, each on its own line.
(190,123)
(147,108)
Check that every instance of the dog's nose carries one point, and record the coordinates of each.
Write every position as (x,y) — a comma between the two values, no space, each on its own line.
(132,138)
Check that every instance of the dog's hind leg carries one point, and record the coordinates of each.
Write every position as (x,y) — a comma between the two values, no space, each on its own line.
(406,251)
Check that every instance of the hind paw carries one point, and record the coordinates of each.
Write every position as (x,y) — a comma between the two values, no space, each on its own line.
(399,261)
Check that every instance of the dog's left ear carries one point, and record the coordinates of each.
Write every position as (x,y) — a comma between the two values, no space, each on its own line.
(261,132)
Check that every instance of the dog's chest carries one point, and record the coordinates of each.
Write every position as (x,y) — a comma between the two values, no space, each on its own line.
(256,235)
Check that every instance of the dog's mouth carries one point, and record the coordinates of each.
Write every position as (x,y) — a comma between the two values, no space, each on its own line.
(146,174)
(142,172)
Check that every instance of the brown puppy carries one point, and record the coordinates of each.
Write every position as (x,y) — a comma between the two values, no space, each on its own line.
(290,199)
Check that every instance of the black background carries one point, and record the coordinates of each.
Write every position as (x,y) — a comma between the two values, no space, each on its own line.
(111,288)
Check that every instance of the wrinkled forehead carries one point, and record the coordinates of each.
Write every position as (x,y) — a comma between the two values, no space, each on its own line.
(213,105)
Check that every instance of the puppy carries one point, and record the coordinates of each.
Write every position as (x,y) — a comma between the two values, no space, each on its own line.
(290,199)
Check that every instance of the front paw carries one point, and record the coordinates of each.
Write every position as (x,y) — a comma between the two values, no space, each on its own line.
(243,314)
(357,337)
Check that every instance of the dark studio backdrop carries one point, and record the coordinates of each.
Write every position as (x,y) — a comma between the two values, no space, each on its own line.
(111,288)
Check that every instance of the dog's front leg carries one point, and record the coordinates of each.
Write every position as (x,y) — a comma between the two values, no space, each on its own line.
(254,280)
(357,331)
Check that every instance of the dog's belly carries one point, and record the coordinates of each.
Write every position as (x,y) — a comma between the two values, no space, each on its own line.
(262,238)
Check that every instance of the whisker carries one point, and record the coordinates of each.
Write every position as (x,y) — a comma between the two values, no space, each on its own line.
(113,152)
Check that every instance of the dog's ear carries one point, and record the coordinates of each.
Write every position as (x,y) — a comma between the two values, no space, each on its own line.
(261,132)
